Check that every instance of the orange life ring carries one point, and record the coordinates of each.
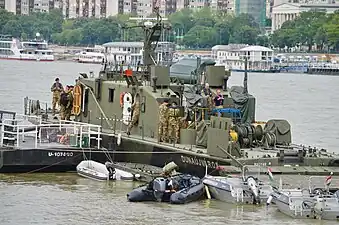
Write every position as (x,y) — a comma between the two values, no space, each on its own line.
(122,99)
(77,101)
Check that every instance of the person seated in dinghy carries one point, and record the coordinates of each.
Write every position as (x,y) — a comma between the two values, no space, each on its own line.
(172,186)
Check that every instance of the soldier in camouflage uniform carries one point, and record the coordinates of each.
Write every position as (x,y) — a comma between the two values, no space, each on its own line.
(208,94)
(136,112)
(56,89)
(163,121)
(173,123)
(66,104)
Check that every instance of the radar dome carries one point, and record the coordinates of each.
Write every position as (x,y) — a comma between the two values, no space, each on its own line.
(37,34)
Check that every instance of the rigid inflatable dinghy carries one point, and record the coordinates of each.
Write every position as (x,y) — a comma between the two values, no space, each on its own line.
(98,171)
(95,170)
(177,189)
(120,173)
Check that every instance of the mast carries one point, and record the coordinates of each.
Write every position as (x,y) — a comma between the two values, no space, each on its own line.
(245,77)
(152,28)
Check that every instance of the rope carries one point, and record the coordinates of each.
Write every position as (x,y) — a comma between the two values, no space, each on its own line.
(106,119)
(97,103)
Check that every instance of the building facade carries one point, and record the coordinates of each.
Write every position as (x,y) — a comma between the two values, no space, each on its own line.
(255,8)
(24,7)
(289,11)
(226,6)
(232,56)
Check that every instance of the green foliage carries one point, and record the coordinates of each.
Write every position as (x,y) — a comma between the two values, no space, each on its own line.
(309,28)
(204,28)
(194,29)
(80,31)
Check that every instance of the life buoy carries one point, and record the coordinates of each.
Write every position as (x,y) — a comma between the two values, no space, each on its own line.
(126,110)
(77,93)
(122,99)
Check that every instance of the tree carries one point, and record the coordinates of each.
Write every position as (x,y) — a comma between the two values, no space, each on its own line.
(13,27)
(200,37)
(182,19)
(5,16)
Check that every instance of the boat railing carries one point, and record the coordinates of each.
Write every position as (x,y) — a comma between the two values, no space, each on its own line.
(70,133)
(319,182)
(35,107)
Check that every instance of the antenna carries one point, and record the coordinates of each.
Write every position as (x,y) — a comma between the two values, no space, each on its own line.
(245,76)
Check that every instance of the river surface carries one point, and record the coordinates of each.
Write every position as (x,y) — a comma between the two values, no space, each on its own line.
(309,103)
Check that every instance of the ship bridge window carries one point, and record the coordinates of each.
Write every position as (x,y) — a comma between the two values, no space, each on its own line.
(110,94)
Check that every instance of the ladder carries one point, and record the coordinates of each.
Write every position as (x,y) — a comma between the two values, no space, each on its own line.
(239,194)
(298,209)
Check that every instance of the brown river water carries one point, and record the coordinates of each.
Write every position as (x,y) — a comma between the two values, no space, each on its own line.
(309,103)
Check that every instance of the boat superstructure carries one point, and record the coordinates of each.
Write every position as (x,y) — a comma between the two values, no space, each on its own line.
(316,201)
(32,50)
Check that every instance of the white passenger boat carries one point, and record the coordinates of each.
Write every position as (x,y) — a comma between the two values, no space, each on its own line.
(90,55)
(32,50)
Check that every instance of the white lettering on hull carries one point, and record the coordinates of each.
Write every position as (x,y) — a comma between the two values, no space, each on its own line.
(198,162)
(60,154)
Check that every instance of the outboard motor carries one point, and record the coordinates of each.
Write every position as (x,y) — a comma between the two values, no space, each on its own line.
(159,188)
(111,171)
(252,184)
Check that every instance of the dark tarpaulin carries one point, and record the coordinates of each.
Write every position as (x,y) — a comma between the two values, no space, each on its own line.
(244,102)
(185,69)
(192,98)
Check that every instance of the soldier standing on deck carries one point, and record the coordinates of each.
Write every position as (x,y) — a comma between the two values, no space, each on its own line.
(66,104)
(163,121)
(56,89)
(173,123)
(136,112)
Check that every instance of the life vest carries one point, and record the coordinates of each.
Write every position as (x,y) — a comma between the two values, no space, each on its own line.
(122,99)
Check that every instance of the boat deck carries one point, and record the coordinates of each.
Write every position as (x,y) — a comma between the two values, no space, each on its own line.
(19,133)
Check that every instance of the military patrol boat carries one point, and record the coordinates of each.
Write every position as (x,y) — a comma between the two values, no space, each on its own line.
(211,137)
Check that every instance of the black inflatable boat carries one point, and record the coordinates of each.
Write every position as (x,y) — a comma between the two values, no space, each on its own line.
(177,189)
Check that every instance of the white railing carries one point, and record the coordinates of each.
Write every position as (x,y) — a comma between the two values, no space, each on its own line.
(59,131)
(319,182)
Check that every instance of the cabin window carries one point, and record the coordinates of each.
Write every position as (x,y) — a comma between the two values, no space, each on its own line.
(110,95)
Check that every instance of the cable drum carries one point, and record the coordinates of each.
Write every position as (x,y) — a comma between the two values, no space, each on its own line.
(270,139)
(241,130)
(258,132)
